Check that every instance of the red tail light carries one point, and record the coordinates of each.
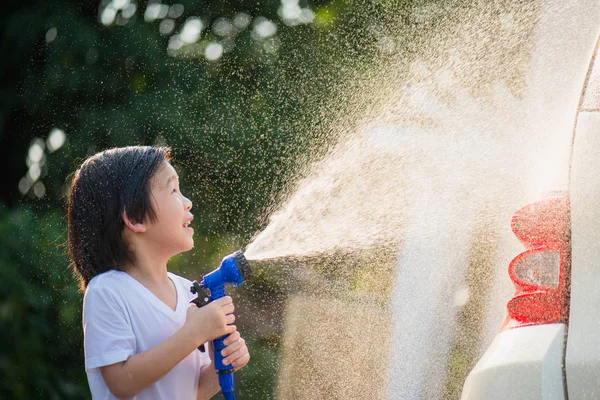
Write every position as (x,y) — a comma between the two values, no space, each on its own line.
(541,274)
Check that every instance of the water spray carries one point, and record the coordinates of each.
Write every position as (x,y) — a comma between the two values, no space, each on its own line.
(234,270)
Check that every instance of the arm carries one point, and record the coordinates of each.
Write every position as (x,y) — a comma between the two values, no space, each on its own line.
(208,384)
(127,378)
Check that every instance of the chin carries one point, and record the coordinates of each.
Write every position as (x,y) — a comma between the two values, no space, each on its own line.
(183,249)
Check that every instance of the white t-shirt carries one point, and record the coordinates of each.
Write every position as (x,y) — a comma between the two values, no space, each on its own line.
(121,317)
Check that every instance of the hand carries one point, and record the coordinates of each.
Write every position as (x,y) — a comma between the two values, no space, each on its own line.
(211,321)
(235,351)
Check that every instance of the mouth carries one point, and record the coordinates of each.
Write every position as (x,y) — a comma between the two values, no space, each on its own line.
(186,224)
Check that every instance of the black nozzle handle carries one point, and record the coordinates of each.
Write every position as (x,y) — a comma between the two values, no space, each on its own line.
(202,298)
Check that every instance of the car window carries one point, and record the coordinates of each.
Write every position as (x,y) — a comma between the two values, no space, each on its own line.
(591,96)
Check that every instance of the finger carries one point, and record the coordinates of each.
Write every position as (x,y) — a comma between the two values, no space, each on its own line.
(232,348)
(229,329)
(229,319)
(234,337)
(241,362)
(233,357)
(228,308)
(237,357)
(224,301)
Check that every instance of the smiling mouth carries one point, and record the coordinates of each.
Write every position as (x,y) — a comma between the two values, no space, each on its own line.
(186,224)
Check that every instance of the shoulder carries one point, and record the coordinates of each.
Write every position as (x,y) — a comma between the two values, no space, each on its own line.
(108,280)
(108,285)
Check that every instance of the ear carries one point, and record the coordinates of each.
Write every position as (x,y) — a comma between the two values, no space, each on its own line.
(136,227)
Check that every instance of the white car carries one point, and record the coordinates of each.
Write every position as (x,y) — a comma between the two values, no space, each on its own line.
(549,345)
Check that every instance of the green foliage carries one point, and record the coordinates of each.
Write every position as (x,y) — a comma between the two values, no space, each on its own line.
(40,310)
(238,123)
(257,380)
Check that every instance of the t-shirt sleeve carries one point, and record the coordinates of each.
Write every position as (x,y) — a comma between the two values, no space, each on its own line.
(108,335)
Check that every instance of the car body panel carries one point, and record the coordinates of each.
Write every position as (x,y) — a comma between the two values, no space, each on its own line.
(522,363)
(583,344)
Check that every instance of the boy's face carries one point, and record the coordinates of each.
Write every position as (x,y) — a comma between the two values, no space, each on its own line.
(170,232)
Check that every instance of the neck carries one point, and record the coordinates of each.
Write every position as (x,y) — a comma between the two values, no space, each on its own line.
(147,269)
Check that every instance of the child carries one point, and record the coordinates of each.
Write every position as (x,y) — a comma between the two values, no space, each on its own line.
(126,218)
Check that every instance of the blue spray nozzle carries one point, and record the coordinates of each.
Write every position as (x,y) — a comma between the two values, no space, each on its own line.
(234,270)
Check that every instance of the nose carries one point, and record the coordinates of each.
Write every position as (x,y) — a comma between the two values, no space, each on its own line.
(187,203)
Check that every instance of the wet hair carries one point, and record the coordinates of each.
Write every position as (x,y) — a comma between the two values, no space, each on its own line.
(105,185)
